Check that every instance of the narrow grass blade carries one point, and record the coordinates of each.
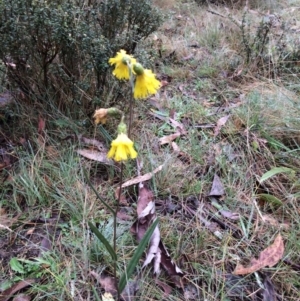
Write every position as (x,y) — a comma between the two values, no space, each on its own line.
(104,241)
(136,256)
(274,171)
(97,194)
(96,294)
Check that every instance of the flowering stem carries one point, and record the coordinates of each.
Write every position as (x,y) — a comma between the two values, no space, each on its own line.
(115,226)
(131,100)
(130,116)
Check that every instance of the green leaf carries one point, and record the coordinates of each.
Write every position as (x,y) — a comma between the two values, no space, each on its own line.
(136,256)
(97,194)
(105,133)
(270,198)
(16,265)
(96,294)
(108,247)
(274,171)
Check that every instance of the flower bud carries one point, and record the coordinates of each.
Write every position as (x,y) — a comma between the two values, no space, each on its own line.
(138,69)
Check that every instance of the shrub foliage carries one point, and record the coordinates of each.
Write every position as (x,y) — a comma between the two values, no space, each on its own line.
(54,49)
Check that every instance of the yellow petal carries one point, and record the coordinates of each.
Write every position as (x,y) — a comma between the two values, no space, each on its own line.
(121,70)
(121,154)
(111,152)
(122,148)
(146,84)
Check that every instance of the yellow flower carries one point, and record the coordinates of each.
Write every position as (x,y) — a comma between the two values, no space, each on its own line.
(122,148)
(145,83)
(100,116)
(120,61)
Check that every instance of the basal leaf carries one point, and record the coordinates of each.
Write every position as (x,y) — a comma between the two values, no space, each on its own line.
(104,241)
(136,256)
(270,198)
(274,171)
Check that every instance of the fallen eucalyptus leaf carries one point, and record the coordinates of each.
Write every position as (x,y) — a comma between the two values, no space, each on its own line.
(142,178)
(95,155)
(220,123)
(8,293)
(169,138)
(268,257)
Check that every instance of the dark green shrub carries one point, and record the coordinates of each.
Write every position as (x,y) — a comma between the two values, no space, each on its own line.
(60,48)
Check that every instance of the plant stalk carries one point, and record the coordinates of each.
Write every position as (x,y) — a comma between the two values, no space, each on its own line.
(131,100)
(130,116)
(115,228)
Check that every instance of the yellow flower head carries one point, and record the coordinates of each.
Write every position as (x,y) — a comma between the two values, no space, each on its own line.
(122,148)
(100,116)
(145,84)
(121,61)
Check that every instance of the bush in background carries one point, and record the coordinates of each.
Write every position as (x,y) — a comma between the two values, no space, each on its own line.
(59,49)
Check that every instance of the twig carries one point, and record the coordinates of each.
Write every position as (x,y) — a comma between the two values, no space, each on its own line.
(215,13)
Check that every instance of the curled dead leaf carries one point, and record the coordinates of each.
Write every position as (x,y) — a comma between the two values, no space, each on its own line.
(169,138)
(156,252)
(145,203)
(8,293)
(95,155)
(142,178)
(268,257)
(220,123)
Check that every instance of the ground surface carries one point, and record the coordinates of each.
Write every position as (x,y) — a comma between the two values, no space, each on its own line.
(224,127)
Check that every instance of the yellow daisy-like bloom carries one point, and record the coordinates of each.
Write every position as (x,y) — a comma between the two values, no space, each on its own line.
(100,116)
(122,149)
(121,70)
(145,84)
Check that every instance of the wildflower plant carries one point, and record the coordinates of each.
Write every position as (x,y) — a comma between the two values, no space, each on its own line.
(143,84)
